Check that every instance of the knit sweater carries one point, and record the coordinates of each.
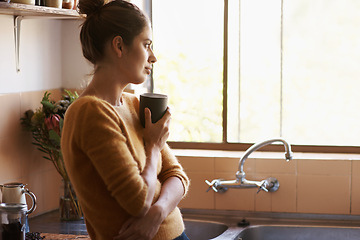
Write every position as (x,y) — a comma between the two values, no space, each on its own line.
(104,155)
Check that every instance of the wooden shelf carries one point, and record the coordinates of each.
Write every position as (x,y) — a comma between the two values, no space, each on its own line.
(17,9)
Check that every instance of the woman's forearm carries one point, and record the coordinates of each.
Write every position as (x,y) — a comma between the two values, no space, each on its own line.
(149,175)
(148,225)
(171,193)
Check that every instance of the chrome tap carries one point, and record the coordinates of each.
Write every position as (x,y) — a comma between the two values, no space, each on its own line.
(268,185)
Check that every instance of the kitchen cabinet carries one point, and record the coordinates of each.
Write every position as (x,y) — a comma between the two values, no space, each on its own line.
(21,11)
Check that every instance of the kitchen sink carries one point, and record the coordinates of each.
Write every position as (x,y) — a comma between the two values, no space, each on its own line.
(299,233)
(203,230)
(238,225)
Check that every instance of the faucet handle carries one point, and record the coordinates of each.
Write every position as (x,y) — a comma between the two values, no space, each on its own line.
(211,185)
(262,187)
(216,185)
(270,184)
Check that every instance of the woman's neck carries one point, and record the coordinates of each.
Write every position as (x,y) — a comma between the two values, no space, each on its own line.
(107,87)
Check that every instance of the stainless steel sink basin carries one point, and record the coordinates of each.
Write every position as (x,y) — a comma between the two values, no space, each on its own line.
(239,225)
(299,233)
(203,230)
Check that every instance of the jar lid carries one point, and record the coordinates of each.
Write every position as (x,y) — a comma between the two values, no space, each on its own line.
(13,185)
(13,207)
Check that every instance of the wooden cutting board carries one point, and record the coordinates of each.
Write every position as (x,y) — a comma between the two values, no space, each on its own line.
(53,236)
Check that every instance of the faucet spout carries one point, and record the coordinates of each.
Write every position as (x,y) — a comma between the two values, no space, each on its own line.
(253,148)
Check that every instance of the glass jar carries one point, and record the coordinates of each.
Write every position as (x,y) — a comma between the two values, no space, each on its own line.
(67,4)
(12,221)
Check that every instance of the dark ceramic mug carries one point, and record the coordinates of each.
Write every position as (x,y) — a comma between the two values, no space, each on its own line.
(157,103)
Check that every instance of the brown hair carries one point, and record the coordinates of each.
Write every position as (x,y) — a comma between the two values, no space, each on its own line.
(104,21)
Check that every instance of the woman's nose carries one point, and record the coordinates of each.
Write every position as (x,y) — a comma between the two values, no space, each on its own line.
(152,58)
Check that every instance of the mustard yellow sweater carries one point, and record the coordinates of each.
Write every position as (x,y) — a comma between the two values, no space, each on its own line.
(104,155)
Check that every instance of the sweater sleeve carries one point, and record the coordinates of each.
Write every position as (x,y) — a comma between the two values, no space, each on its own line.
(100,137)
(172,168)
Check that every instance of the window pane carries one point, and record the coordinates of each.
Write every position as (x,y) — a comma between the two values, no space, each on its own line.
(188,43)
(296,78)
(254,87)
(320,72)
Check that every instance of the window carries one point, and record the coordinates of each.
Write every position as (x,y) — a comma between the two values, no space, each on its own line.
(245,71)
(188,42)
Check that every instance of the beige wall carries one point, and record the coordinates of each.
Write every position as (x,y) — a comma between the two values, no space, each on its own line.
(20,161)
(50,58)
(308,184)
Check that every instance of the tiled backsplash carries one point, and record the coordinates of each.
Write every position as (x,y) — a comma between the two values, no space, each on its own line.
(307,184)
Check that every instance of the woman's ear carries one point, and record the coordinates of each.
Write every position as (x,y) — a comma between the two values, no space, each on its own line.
(117,44)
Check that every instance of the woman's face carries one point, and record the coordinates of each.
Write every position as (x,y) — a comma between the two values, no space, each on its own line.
(139,57)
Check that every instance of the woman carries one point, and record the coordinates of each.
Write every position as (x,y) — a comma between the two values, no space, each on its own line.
(126,178)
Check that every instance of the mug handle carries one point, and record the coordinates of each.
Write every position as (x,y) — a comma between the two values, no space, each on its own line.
(33,198)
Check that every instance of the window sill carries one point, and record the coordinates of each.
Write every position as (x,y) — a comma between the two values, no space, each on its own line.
(265,155)
(269,148)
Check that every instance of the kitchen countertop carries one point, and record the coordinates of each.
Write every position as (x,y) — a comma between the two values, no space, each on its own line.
(50,226)
(54,236)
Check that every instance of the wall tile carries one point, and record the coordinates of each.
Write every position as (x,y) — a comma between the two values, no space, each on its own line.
(35,184)
(262,201)
(10,164)
(197,196)
(197,164)
(52,190)
(355,168)
(284,199)
(324,167)
(323,194)
(234,199)
(10,117)
(262,198)
(275,166)
(30,101)
(34,163)
(355,194)
(229,164)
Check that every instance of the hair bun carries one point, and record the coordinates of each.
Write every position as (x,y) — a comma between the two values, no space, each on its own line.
(89,7)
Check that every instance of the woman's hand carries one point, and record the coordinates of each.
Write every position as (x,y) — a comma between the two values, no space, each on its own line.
(156,134)
(144,228)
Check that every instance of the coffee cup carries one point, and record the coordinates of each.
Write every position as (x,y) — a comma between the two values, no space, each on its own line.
(157,103)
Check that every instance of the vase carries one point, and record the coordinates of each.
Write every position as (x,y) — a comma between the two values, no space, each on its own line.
(70,209)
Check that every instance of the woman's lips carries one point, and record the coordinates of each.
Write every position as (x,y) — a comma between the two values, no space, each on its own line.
(148,71)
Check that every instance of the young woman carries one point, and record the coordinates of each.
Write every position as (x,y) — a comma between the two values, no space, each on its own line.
(126,178)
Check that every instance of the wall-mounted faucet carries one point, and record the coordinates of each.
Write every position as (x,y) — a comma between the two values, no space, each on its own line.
(268,185)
